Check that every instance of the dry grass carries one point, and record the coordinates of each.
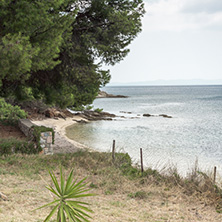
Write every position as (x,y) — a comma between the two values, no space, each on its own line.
(123,193)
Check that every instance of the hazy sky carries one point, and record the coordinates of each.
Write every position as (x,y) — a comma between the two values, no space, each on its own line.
(181,39)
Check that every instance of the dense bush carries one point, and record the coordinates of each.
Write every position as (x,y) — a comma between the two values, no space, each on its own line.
(10,146)
(10,114)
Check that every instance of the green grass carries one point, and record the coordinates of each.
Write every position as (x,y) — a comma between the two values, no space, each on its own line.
(110,176)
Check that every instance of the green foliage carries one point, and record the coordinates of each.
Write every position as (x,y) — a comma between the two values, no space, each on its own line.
(139,194)
(37,130)
(88,107)
(65,202)
(10,146)
(10,114)
(78,108)
(15,57)
(60,61)
(31,34)
(81,108)
(98,110)
(92,185)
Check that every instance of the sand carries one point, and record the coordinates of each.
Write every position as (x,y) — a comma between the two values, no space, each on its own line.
(62,143)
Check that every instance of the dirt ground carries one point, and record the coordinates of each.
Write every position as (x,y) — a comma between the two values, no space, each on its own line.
(25,194)
(10,131)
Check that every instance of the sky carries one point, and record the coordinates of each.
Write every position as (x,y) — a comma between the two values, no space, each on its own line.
(180,40)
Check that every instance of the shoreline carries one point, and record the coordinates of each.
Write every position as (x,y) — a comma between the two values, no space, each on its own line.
(63,144)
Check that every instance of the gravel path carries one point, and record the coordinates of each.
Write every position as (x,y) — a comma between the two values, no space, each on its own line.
(62,143)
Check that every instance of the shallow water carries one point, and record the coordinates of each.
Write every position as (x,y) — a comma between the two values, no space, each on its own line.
(195,131)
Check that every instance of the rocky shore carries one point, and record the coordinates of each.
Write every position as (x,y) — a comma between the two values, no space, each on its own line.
(60,120)
(103,94)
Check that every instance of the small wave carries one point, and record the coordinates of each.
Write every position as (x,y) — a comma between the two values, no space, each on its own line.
(212,98)
(142,127)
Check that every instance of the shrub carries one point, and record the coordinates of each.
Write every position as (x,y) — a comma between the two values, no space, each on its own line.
(10,146)
(139,194)
(66,200)
(98,110)
(10,114)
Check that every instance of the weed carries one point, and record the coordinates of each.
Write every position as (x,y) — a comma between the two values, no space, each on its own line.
(108,192)
(139,194)
(117,204)
(92,185)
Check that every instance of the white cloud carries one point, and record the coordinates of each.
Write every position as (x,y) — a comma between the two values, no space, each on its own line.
(208,6)
(179,15)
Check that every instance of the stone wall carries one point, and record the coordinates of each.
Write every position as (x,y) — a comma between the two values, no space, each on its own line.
(46,142)
(25,126)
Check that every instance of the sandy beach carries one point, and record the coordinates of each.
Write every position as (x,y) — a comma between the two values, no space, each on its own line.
(62,143)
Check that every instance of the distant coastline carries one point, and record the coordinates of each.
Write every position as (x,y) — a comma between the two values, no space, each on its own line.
(176,82)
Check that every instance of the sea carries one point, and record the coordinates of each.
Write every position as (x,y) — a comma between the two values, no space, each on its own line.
(192,138)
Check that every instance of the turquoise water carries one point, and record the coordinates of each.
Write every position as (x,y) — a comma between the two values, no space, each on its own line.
(195,131)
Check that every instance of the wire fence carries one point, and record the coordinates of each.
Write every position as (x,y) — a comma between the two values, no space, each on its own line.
(165,165)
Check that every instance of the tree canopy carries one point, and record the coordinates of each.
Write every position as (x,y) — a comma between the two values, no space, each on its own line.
(54,50)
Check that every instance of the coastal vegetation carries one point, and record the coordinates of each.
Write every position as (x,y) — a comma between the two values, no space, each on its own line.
(67,193)
(10,114)
(54,50)
(124,193)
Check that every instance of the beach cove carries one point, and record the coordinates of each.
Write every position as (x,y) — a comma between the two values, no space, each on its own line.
(193,133)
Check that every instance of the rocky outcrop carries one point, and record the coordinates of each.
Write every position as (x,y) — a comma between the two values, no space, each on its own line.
(163,115)
(147,115)
(54,113)
(92,115)
(103,94)
(125,112)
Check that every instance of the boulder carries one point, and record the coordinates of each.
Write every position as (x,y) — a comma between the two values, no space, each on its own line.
(165,116)
(54,113)
(147,115)
(49,113)
(103,94)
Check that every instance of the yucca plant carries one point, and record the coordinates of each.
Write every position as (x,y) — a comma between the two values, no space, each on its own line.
(68,209)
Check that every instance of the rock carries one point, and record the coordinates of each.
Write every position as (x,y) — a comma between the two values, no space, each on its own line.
(165,116)
(4,197)
(62,115)
(103,94)
(49,113)
(125,112)
(54,113)
(81,121)
(92,115)
(147,115)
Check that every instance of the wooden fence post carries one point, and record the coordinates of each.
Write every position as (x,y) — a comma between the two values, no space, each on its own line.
(215,172)
(141,158)
(113,150)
